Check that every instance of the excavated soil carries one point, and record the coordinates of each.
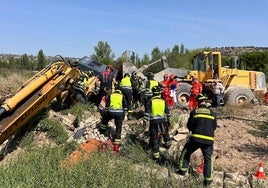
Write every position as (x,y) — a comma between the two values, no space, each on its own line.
(242,142)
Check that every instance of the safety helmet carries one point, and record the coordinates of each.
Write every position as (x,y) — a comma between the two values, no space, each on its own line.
(134,73)
(126,75)
(150,75)
(201,98)
(172,76)
(156,90)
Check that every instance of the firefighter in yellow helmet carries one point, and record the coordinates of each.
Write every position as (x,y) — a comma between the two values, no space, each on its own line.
(158,114)
(115,107)
(202,124)
(126,88)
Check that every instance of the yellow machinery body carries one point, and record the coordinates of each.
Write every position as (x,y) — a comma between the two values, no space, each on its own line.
(34,95)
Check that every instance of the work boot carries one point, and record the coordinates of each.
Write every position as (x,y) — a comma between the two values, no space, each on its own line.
(207,183)
(116,148)
(167,144)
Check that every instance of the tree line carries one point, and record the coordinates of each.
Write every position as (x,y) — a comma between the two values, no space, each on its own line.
(177,57)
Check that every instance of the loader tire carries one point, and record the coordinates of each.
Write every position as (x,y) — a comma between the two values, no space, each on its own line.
(183,95)
(239,96)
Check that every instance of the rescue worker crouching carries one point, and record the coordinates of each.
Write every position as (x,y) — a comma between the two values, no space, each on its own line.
(158,115)
(115,107)
(126,88)
(202,124)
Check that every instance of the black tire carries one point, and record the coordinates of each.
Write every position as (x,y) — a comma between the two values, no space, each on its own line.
(183,95)
(239,96)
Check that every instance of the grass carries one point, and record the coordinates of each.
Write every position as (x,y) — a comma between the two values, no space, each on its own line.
(39,166)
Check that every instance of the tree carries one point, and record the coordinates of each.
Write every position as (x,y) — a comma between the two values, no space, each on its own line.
(103,53)
(41,60)
(156,54)
(254,60)
(24,62)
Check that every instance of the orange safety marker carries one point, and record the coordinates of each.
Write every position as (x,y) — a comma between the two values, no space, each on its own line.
(260,172)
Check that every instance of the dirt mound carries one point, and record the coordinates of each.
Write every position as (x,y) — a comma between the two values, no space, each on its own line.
(238,144)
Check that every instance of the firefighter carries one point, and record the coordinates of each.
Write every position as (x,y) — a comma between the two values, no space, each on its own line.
(150,83)
(115,108)
(158,115)
(107,80)
(83,80)
(202,124)
(196,89)
(135,88)
(126,88)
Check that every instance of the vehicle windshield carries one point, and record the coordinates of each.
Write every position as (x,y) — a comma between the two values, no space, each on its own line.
(199,63)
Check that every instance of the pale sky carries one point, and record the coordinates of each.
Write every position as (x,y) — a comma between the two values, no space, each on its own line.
(73,28)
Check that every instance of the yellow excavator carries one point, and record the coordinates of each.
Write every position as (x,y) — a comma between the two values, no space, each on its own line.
(56,81)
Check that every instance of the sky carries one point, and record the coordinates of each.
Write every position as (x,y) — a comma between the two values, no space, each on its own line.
(73,28)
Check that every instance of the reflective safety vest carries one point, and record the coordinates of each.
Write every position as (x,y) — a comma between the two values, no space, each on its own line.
(126,83)
(116,100)
(158,108)
(152,84)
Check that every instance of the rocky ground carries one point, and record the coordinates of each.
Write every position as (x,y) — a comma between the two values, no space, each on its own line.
(241,139)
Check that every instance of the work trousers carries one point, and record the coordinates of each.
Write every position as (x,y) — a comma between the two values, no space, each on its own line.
(191,147)
(192,103)
(157,132)
(128,96)
(118,120)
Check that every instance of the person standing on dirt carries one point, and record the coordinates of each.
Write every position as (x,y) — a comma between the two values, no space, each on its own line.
(218,90)
(158,114)
(202,124)
(196,89)
(115,108)
(126,88)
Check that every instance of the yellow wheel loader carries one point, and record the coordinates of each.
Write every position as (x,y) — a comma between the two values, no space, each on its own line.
(241,86)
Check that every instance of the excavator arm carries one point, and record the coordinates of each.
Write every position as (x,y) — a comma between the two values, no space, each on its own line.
(34,95)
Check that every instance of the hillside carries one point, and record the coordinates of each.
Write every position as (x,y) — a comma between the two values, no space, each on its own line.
(226,51)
